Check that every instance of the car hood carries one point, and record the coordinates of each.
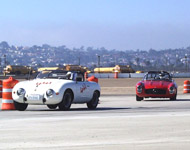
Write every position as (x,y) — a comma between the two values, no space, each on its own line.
(41,85)
(156,84)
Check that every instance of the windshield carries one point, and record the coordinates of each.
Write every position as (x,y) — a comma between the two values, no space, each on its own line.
(158,76)
(60,74)
(52,74)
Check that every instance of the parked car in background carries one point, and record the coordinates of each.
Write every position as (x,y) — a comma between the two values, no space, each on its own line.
(156,84)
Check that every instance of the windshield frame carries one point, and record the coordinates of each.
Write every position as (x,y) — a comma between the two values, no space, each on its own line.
(157,76)
(52,74)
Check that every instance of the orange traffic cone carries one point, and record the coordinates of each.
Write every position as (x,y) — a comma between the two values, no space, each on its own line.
(186,86)
(7,100)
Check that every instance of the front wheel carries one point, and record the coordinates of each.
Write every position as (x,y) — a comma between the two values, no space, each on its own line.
(139,98)
(173,98)
(67,101)
(20,106)
(94,101)
(52,106)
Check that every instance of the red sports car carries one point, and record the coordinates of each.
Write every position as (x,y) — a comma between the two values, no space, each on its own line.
(156,84)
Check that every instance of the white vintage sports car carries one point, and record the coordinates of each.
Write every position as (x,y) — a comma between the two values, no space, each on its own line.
(56,89)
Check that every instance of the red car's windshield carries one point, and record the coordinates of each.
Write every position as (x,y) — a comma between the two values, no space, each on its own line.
(157,76)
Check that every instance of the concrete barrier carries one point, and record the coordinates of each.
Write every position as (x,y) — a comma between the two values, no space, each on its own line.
(124,75)
(134,75)
(181,75)
(120,75)
(106,75)
(137,75)
(102,75)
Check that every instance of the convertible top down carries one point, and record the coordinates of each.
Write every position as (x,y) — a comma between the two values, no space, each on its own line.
(56,88)
(156,84)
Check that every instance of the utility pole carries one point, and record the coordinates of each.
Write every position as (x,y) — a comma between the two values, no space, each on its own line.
(79,60)
(186,63)
(5,61)
(98,63)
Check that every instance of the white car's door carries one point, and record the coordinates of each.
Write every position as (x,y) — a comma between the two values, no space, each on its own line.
(82,91)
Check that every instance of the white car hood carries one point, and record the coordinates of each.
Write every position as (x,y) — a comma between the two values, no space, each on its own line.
(41,85)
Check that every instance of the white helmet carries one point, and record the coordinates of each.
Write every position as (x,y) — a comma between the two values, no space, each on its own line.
(69,75)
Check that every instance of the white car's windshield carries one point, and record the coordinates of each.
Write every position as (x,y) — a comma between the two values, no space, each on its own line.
(53,74)
(61,74)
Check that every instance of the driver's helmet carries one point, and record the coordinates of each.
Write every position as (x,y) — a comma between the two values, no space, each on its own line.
(69,75)
(161,75)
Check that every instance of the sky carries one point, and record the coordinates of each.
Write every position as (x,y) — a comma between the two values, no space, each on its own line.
(113,24)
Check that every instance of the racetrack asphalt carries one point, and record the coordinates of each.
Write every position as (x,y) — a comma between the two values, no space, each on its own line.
(119,122)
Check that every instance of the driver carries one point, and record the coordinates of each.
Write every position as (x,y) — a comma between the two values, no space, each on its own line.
(162,76)
(69,75)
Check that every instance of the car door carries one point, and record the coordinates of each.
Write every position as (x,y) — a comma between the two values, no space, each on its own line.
(81,88)
(82,91)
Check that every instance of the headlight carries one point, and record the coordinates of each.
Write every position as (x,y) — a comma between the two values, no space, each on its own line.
(171,90)
(49,92)
(21,92)
(139,88)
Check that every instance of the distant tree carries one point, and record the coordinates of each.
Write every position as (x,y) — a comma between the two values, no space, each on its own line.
(4,44)
(46,46)
(147,63)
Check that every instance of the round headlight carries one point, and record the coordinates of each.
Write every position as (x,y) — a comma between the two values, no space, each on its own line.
(171,90)
(139,88)
(21,92)
(49,92)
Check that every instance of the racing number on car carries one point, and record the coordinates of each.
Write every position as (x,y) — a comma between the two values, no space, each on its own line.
(83,88)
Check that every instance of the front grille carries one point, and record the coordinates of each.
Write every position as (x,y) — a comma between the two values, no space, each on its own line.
(155,91)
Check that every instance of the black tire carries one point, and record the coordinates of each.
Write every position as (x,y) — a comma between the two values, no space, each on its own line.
(94,101)
(173,98)
(52,106)
(67,101)
(20,106)
(139,98)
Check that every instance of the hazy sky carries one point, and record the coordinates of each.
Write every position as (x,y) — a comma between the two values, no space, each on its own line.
(113,24)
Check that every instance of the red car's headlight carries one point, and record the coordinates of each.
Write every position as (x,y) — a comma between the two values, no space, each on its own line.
(172,90)
(139,88)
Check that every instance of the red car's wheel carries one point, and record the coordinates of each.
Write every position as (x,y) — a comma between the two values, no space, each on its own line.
(139,98)
(173,98)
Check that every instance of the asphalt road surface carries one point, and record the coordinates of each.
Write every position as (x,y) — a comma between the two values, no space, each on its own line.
(119,123)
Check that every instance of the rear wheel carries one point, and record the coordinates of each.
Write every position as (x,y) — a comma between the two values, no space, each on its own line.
(139,98)
(52,106)
(67,101)
(94,101)
(20,106)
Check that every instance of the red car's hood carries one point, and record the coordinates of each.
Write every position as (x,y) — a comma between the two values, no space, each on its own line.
(156,84)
